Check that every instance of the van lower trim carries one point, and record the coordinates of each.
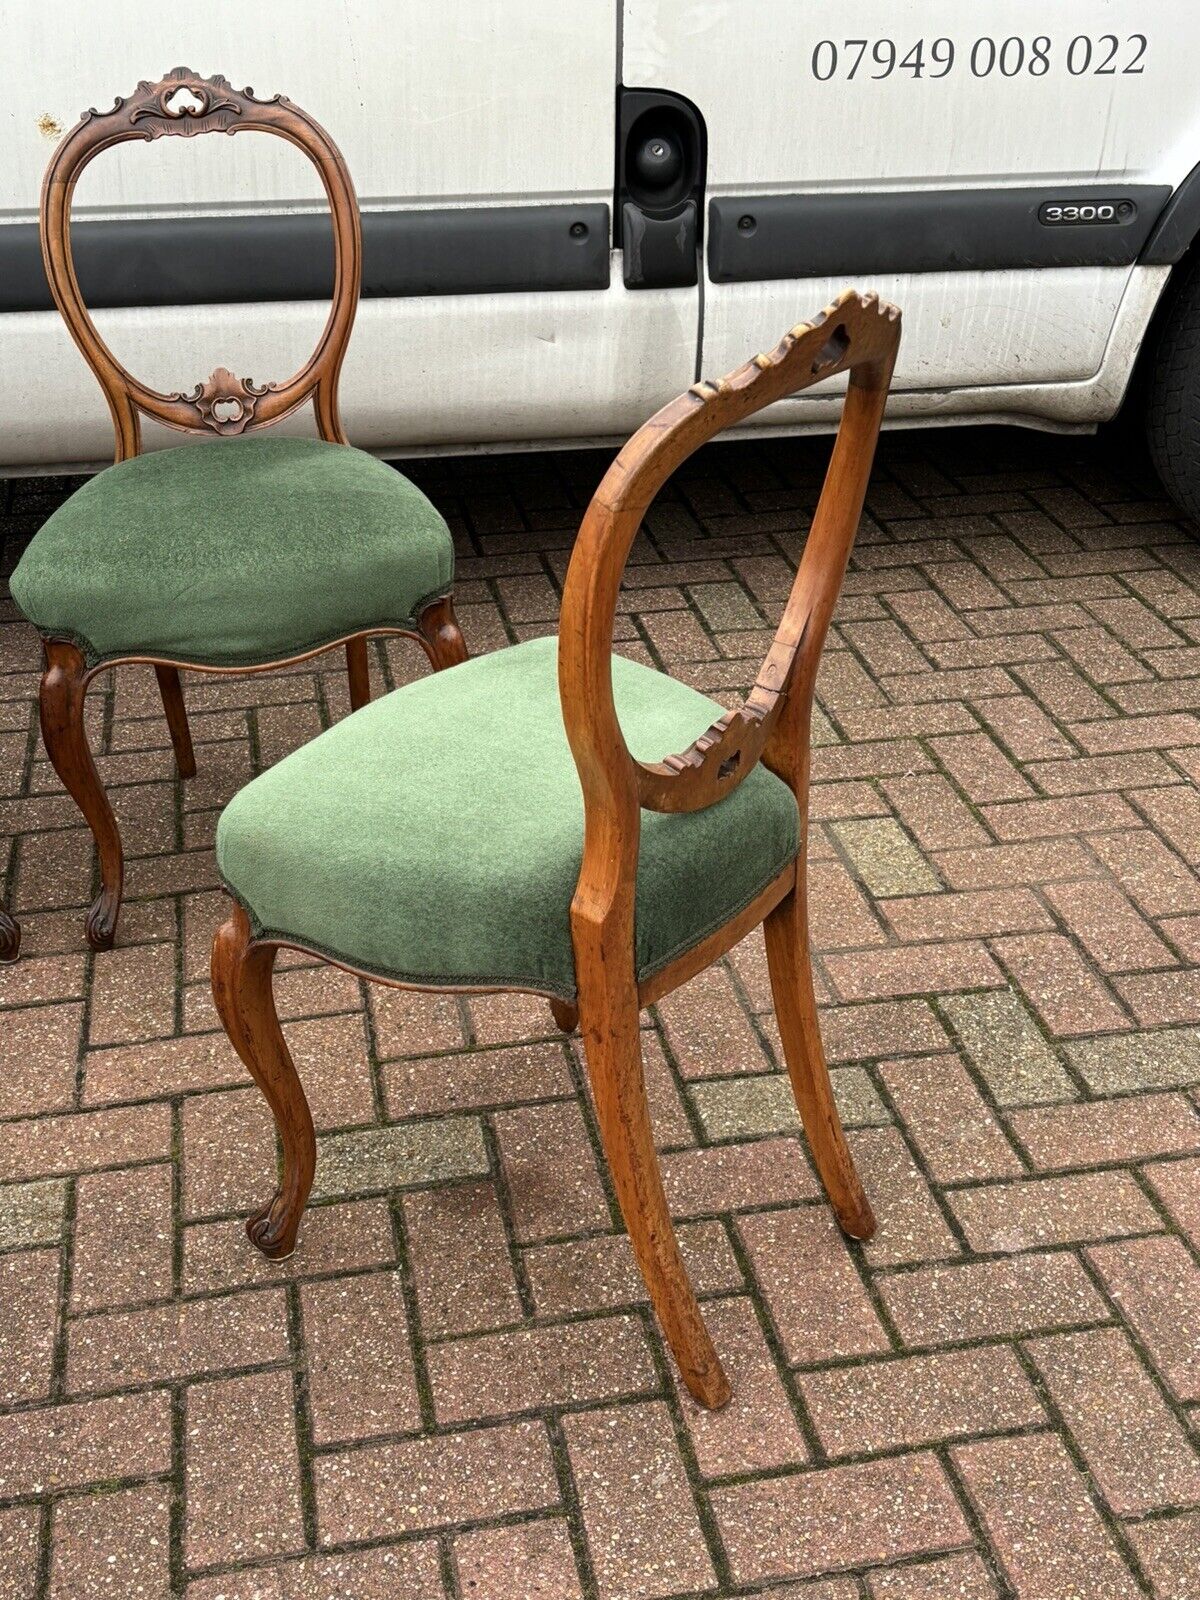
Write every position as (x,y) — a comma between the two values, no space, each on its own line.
(757,237)
(225,260)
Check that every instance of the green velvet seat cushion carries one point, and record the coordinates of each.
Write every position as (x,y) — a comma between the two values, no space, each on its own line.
(234,552)
(436,835)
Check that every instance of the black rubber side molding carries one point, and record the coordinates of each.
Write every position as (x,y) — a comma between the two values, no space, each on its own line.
(222,260)
(757,237)
(1177,225)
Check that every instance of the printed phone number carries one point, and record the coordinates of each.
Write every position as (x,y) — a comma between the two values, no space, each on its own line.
(1101,56)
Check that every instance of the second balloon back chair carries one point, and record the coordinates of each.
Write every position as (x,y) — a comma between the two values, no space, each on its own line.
(249,555)
(532,837)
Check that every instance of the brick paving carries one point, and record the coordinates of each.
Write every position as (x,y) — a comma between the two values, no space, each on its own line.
(455,1388)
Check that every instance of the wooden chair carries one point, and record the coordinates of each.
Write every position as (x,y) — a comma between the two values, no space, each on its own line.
(477,864)
(251,556)
(10,935)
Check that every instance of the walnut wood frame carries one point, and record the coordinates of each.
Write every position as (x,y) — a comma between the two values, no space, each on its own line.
(858,335)
(183,104)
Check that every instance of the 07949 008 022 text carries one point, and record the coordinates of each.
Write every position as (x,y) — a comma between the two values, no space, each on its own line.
(1102,55)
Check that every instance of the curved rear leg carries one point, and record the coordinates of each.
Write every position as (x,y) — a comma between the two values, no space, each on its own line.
(608,1012)
(789,960)
(64,684)
(245,1002)
(440,635)
(358,671)
(171,690)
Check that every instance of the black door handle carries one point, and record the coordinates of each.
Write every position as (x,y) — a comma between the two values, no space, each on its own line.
(659,209)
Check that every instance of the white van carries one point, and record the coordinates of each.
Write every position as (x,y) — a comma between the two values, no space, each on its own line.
(572,208)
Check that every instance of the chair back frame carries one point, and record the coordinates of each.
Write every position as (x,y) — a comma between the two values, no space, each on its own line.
(858,334)
(183,104)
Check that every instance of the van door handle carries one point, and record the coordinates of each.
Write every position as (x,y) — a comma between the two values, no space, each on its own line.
(658,216)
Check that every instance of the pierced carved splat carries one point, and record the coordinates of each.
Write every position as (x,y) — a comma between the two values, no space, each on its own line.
(224,402)
(185,104)
(713,765)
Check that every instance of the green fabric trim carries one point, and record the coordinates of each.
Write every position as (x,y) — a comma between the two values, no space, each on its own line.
(435,837)
(425,980)
(234,553)
(94,663)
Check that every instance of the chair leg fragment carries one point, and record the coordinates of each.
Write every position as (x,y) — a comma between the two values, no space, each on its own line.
(359,672)
(440,635)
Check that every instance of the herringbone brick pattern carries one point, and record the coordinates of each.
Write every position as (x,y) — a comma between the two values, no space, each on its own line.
(454,1389)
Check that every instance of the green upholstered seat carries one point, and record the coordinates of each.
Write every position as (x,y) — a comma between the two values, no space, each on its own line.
(235,552)
(436,835)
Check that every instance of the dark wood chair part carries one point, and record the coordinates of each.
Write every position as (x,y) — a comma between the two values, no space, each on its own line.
(10,935)
(184,104)
(857,335)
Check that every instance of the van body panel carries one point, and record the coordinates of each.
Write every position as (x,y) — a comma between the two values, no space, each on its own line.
(939,155)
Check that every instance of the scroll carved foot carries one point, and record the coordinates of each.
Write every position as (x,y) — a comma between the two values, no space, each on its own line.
(100,924)
(272,1230)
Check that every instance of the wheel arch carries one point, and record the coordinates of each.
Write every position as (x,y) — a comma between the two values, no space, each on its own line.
(1174,242)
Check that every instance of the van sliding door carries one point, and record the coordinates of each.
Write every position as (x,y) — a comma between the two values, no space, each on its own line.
(993,168)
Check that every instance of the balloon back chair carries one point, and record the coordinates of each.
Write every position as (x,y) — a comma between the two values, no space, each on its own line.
(512,825)
(242,557)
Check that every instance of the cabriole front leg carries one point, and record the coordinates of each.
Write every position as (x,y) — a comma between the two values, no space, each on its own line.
(64,685)
(245,1002)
